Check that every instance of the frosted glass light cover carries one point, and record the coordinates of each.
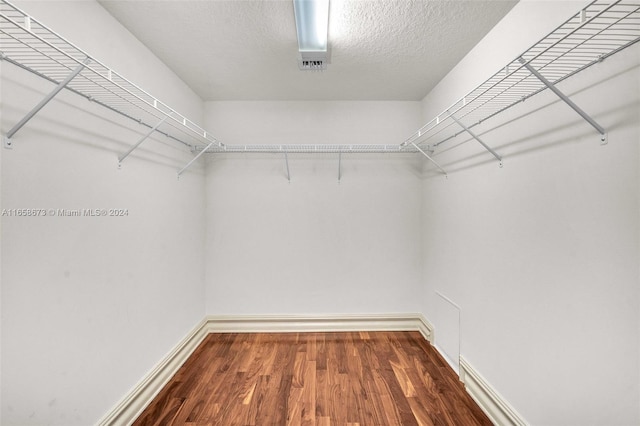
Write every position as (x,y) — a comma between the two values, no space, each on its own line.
(312,24)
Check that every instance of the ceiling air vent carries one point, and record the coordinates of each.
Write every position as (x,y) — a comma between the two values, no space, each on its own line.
(312,61)
(312,65)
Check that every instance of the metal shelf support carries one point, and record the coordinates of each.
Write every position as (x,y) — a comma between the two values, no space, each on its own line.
(339,166)
(194,159)
(429,158)
(286,162)
(565,98)
(473,135)
(142,139)
(7,139)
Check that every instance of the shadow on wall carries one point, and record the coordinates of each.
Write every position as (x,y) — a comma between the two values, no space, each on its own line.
(117,137)
(325,164)
(472,155)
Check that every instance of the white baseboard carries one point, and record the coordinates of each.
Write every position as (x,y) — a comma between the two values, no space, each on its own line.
(494,405)
(139,397)
(132,405)
(426,328)
(319,323)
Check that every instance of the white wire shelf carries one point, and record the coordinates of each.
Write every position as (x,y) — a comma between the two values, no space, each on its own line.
(310,149)
(30,45)
(598,31)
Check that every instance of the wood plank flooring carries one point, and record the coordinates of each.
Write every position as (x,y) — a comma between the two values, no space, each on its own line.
(345,379)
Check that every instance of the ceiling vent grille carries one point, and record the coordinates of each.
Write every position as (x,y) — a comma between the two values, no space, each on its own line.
(313,61)
(312,65)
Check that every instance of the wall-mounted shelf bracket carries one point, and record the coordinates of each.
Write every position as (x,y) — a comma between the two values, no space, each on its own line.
(339,166)
(473,135)
(7,138)
(194,159)
(565,98)
(142,139)
(286,163)
(429,158)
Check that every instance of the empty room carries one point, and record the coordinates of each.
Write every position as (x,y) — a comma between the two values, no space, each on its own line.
(320,212)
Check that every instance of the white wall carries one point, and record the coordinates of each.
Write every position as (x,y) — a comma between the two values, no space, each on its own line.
(312,246)
(542,255)
(91,304)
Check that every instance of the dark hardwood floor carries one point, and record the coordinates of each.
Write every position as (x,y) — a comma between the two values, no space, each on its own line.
(349,378)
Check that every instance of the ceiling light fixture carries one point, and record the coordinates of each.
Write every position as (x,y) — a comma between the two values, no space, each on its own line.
(312,26)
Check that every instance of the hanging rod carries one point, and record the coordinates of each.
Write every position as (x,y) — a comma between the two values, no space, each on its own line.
(600,30)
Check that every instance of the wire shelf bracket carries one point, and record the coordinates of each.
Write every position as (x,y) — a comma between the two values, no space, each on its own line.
(182,170)
(565,98)
(473,135)
(142,139)
(430,159)
(286,162)
(8,143)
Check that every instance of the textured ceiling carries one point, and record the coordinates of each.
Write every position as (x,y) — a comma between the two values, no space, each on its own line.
(247,49)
